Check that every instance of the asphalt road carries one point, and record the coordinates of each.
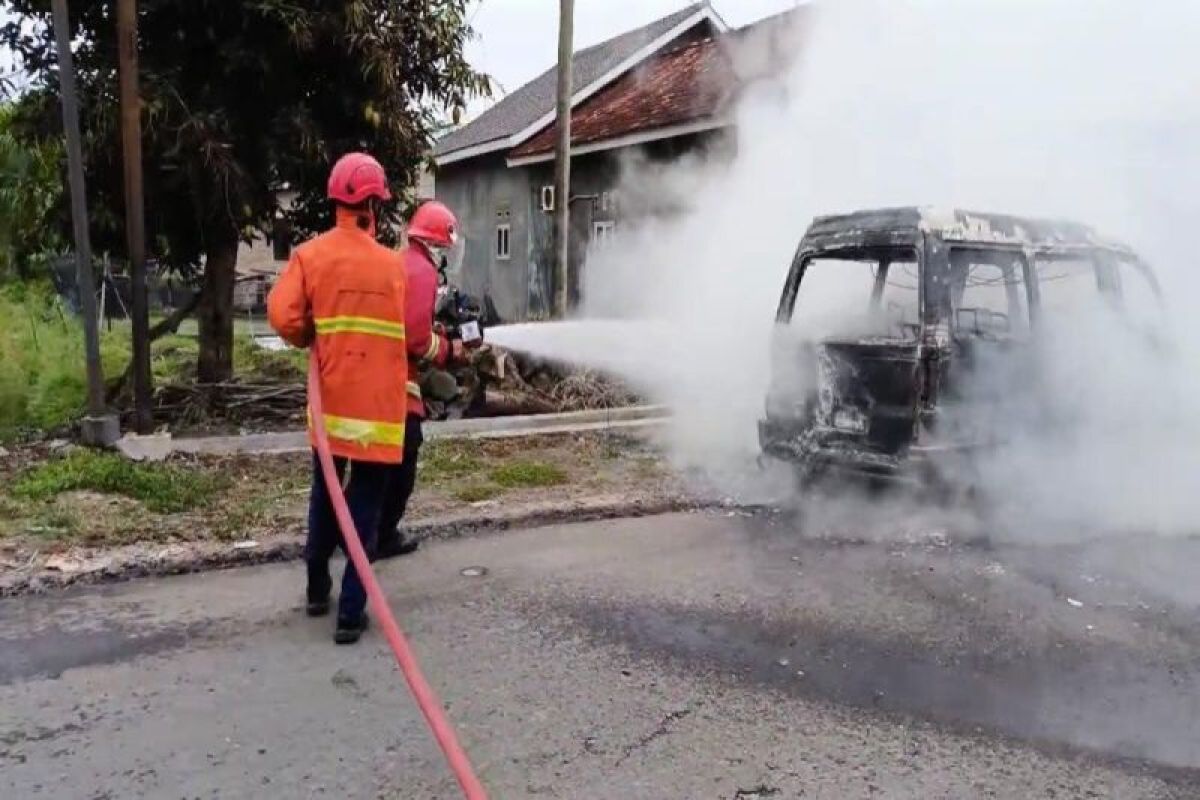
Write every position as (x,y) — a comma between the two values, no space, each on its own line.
(685,656)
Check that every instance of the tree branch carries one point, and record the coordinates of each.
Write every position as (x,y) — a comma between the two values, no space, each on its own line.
(163,327)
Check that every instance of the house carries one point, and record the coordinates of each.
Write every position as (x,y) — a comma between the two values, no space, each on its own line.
(660,92)
(260,261)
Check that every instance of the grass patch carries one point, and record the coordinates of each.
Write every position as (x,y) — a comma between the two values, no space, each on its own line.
(612,449)
(648,468)
(56,523)
(42,383)
(478,492)
(243,517)
(449,460)
(257,363)
(173,359)
(529,474)
(9,509)
(162,488)
(258,505)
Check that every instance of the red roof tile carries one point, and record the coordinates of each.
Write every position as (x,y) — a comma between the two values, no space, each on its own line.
(687,84)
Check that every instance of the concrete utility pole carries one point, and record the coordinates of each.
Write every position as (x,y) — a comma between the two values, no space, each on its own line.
(562,157)
(135,215)
(99,427)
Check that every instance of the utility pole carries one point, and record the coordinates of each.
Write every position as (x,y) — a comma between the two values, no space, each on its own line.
(100,428)
(135,214)
(562,157)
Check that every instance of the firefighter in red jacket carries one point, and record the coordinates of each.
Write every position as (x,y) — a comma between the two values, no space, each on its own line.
(431,231)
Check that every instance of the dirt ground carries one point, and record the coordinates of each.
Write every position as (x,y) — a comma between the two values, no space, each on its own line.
(66,514)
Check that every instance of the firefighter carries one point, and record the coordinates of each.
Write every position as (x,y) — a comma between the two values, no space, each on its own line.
(431,231)
(343,294)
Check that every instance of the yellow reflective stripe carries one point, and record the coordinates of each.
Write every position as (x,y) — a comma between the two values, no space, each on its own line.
(364,431)
(435,344)
(368,325)
(414,389)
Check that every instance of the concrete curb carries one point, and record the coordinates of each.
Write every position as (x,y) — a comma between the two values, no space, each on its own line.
(205,556)
(160,446)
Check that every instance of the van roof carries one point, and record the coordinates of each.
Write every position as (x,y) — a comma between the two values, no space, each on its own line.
(905,226)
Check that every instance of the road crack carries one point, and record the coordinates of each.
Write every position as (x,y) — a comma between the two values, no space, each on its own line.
(663,729)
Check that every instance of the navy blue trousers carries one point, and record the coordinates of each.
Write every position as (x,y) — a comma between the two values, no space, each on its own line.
(365,487)
(404,480)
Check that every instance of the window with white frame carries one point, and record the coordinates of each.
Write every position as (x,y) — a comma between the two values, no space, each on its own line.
(502,242)
(602,234)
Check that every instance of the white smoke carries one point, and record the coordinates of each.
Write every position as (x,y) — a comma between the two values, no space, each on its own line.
(1087,111)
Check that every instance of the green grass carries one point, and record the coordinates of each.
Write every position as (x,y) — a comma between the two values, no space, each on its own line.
(443,461)
(528,474)
(236,520)
(42,383)
(256,363)
(242,518)
(162,488)
(56,523)
(42,377)
(9,509)
(477,492)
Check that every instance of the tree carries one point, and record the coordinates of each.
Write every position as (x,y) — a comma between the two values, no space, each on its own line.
(30,194)
(239,98)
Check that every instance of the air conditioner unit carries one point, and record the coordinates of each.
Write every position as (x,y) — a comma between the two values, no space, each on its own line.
(547,198)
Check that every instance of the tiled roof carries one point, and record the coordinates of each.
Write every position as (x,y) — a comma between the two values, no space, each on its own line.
(687,84)
(535,99)
(690,83)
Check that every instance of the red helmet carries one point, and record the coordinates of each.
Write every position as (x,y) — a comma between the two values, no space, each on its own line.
(356,177)
(434,224)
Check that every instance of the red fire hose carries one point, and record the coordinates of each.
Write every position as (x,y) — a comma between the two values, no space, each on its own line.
(428,702)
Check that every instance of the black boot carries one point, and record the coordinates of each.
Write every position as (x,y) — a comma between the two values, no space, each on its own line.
(317,608)
(350,632)
(394,544)
(319,587)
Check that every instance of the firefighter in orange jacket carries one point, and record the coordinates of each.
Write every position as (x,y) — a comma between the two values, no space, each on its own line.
(431,231)
(344,295)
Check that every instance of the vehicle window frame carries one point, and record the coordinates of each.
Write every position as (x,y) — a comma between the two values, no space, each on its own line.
(1003,258)
(873,255)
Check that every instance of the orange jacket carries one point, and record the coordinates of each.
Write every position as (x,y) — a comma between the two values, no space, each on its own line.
(425,345)
(344,294)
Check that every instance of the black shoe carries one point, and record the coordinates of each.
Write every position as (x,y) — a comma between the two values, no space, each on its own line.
(317,608)
(396,546)
(350,632)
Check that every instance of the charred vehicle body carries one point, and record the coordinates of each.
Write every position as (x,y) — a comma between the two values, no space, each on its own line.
(887,315)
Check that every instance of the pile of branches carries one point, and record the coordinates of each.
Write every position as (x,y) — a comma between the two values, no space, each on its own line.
(588,391)
(499,382)
(233,402)
(494,383)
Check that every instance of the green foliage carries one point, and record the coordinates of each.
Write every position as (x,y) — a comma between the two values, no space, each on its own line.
(449,460)
(30,196)
(54,523)
(239,98)
(528,474)
(42,381)
(258,363)
(160,487)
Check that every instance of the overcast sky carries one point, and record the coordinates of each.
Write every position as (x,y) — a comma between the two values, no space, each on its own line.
(518,39)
